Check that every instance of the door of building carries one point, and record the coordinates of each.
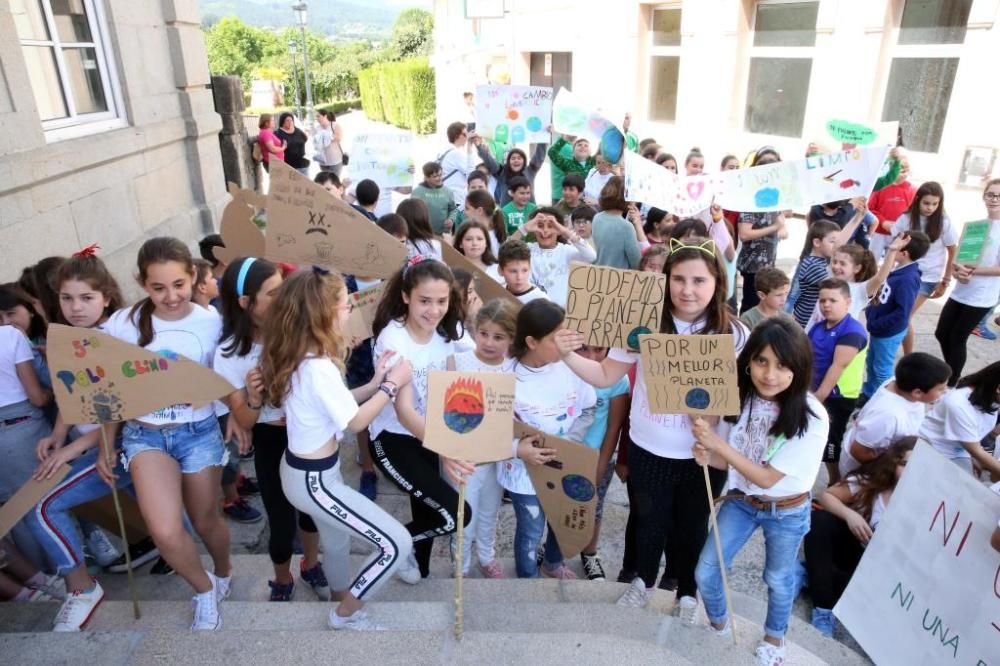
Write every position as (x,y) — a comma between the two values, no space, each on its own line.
(552,69)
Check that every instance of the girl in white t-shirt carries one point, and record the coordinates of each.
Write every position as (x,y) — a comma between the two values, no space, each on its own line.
(840,531)
(419,319)
(302,372)
(927,214)
(976,293)
(175,454)
(550,259)
(773,451)
(88,294)
(667,483)
(473,240)
(549,398)
(493,331)
(959,421)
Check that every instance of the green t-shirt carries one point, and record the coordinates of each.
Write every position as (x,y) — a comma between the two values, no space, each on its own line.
(515,217)
(440,202)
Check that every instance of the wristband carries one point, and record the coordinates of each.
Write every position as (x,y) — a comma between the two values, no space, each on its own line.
(389,389)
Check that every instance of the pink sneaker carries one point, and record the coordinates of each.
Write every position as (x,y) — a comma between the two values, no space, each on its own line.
(562,572)
(491,569)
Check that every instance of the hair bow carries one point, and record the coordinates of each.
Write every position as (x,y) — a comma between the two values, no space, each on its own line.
(708,246)
(319,270)
(88,251)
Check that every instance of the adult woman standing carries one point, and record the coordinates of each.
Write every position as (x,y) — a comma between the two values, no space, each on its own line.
(326,141)
(295,143)
(617,239)
(270,144)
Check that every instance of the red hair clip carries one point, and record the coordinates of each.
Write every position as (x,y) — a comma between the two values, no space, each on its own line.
(88,251)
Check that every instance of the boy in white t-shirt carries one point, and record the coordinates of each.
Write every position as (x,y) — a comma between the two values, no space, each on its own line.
(896,409)
(514,261)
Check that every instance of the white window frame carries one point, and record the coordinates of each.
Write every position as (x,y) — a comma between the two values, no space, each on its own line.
(653,51)
(790,52)
(82,124)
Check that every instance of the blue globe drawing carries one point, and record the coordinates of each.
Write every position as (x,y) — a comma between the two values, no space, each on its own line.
(697,398)
(633,337)
(578,487)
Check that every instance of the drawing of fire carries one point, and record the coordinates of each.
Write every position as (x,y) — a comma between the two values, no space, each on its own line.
(463,405)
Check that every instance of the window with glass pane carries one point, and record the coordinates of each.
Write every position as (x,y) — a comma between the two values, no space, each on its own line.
(666,27)
(776,95)
(786,24)
(934,21)
(917,96)
(663,76)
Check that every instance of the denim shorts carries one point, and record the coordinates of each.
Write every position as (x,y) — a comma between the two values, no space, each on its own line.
(194,445)
(926,288)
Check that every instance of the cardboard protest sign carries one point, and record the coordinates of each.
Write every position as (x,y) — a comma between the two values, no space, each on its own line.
(690,374)
(612,307)
(242,237)
(363,303)
(573,116)
(975,235)
(566,487)
(470,415)
(97,378)
(802,183)
(28,495)
(486,287)
(308,225)
(385,157)
(514,114)
(926,590)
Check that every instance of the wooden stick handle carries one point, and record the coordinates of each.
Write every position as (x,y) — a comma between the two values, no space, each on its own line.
(109,458)
(718,551)
(459,561)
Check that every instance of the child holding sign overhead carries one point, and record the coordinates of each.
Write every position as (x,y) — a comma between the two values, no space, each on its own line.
(666,481)
(976,293)
(772,451)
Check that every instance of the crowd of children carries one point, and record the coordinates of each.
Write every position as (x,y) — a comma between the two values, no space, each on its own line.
(817,367)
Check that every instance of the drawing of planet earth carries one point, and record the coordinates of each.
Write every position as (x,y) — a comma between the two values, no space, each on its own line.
(578,487)
(633,337)
(697,398)
(463,408)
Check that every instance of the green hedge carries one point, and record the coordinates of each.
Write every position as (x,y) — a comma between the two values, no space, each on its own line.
(400,93)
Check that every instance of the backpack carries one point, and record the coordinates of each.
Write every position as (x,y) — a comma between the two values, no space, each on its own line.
(255,153)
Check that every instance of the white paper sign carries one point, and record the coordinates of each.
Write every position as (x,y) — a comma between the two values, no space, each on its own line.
(514,114)
(385,157)
(927,590)
(573,116)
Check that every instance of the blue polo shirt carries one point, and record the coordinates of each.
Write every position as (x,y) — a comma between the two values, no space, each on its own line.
(825,340)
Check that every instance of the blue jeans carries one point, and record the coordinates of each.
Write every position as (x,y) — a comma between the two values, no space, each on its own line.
(528,534)
(784,530)
(881,361)
(195,445)
(52,522)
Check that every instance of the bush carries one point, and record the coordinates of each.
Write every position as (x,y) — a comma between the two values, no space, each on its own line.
(400,93)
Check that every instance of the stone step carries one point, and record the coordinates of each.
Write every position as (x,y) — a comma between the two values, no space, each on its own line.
(537,623)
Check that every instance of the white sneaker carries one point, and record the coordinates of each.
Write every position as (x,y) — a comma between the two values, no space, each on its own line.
(358,621)
(687,609)
(102,550)
(222,586)
(408,571)
(636,596)
(54,586)
(206,612)
(725,632)
(78,608)
(770,655)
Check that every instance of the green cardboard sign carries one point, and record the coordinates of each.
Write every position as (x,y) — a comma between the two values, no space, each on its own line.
(848,132)
(974,237)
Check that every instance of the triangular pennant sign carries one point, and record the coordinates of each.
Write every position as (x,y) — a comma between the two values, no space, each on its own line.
(98,378)
(239,233)
(566,488)
(308,225)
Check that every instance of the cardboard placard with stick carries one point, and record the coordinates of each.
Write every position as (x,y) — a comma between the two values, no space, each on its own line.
(612,307)
(566,487)
(690,374)
(487,288)
(98,379)
(308,225)
(241,236)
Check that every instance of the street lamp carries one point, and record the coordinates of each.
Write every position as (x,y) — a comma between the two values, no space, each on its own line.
(300,10)
(293,47)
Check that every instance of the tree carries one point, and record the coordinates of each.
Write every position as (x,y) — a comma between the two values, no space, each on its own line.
(412,34)
(237,49)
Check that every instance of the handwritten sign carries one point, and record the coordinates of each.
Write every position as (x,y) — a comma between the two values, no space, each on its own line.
(514,114)
(566,487)
(363,303)
(926,590)
(242,238)
(308,225)
(690,374)
(612,307)
(650,183)
(470,415)
(852,134)
(385,157)
(573,116)
(97,378)
(975,235)
(486,287)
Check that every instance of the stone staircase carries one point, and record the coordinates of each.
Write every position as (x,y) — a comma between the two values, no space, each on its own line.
(506,621)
